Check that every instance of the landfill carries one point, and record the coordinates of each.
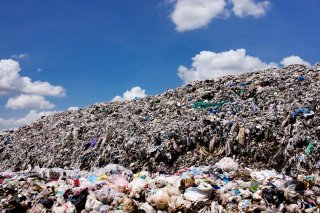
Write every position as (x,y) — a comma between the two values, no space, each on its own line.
(239,143)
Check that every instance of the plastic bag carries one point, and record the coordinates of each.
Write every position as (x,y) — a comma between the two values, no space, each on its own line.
(244,205)
(79,201)
(146,208)
(159,200)
(128,205)
(92,204)
(227,164)
(47,203)
(137,185)
(120,183)
(107,195)
(201,193)
(293,189)
(114,169)
(273,196)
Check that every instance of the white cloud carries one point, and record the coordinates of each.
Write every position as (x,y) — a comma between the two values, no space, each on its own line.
(32,116)
(39,70)
(20,56)
(208,65)
(135,92)
(29,102)
(73,108)
(12,82)
(244,8)
(194,14)
(294,60)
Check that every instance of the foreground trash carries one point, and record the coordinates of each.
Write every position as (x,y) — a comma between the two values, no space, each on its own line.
(223,187)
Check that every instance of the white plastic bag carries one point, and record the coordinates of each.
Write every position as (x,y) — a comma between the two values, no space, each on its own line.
(227,164)
(201,193)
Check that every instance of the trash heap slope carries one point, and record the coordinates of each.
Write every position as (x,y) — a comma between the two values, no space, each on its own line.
(266,119)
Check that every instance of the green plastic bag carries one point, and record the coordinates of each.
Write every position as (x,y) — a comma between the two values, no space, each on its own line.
(201,104)
(309,149)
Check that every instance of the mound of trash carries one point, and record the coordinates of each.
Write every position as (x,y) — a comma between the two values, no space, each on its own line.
(265,119)
(222,187)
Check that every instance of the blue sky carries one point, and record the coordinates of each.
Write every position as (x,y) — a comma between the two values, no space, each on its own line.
(99,49)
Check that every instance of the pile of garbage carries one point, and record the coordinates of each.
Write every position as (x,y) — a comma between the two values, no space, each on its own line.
(223,187)
(265,119)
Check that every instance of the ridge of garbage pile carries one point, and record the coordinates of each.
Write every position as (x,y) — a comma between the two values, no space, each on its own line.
(265,119)
(220,188)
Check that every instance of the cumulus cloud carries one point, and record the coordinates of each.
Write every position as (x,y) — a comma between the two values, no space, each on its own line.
(28,102)
(20,56)
(208,65)
(294,60)
(32,116)
(244,8)
(194,14)
(135,92)
(12,82)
